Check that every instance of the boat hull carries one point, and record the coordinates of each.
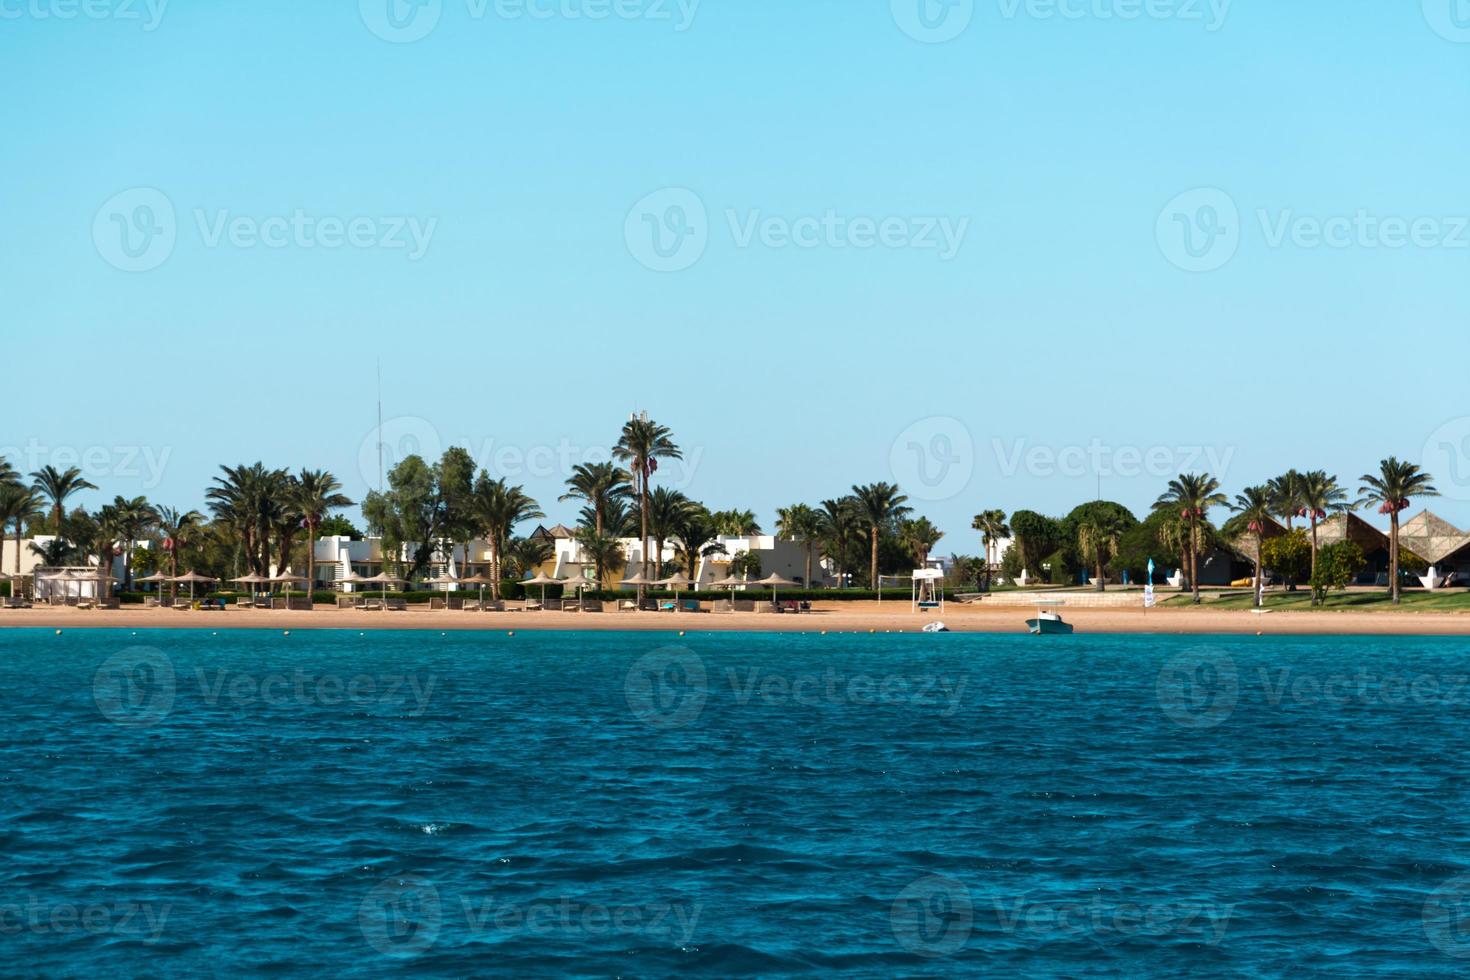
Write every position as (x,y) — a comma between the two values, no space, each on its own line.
(1040,627)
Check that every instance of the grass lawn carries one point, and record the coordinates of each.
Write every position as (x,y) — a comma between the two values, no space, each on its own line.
(1457,600)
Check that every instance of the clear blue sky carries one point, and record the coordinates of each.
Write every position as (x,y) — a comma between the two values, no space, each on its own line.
(521,147)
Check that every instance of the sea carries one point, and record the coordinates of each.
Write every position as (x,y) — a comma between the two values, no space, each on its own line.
(336,803)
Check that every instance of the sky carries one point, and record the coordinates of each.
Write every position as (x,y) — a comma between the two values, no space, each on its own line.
(1006,253)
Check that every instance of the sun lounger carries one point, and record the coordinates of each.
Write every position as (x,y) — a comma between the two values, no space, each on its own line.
(766,607)
(746,605)
(395,605)
(532,605)
(667,605)
(723,606)
(627,605)
(592,605)
(691,605)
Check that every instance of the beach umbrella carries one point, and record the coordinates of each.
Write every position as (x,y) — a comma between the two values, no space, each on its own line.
(384,579)
(251,580)
(774,582)
(678,582)
(728,582)
(193,578)
(544,580)
(351,578)
(157,578)
(635,580)
(479,580)
(288,580)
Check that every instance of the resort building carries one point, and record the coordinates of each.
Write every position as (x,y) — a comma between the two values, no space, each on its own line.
(1444,547)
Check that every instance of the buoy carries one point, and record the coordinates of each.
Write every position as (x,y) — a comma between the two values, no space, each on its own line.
(681,632)
(58,632)
(510,633)
(285,632)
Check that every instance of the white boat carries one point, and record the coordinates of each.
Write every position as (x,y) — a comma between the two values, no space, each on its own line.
(1048,621)
(935,628)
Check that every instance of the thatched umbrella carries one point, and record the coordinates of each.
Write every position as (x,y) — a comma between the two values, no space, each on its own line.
(678,582)
(479,580)
(157,578)
(385,580)
(251,580)
(775,581)
(544,580)
(193,578)
(729,582)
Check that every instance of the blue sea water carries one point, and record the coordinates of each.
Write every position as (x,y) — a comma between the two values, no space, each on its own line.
(180,803)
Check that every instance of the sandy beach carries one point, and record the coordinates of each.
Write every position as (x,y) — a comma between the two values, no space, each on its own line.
(835,617)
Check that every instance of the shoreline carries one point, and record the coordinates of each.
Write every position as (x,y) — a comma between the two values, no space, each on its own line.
(845,617)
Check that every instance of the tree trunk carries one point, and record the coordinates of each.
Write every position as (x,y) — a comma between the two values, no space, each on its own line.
(1258,572)
(873,565)
(643,525)
(1194,563)
(808,564)
(1393,557)
(1314,542)
(1102,585)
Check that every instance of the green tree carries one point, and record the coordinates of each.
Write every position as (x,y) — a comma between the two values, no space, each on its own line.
(696,539)
(1391,488)
(803,524)
(1191,495)
(604,487)
(18,504)
(58,487)
(454,477)
(498,508)
(667,511)
(641,445)
(1321,495)
(879,507)
(1254,506)
(178,528)
(993,528)
(736,523)
(1289,555)
(1338,564)
(839,532)
(1036,537)
(406,514)
(317,493)
(1100,532)
(1285,493)
(603,550)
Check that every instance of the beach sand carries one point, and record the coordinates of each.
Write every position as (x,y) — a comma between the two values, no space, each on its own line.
(833,617)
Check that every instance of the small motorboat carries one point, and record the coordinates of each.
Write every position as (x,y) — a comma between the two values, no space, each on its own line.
(1048,621)
(935,628)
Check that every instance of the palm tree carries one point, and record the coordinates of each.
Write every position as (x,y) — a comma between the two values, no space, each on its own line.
(642,444)
(498,507)
(1320,496)
(1098,535)
(604,550)
(58,487)
(696,539)
(667,510)
(878,507)
(526,554)
(131,518)
(1284,493)
(839,528)
(919,537)
(1255,506)
(992,527)
(1191,494)
(178,529)
(603,486)
(250,500)
(736,523)
(1391,487)
(8,474)
(802,524)
(317,493)
(18,504)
